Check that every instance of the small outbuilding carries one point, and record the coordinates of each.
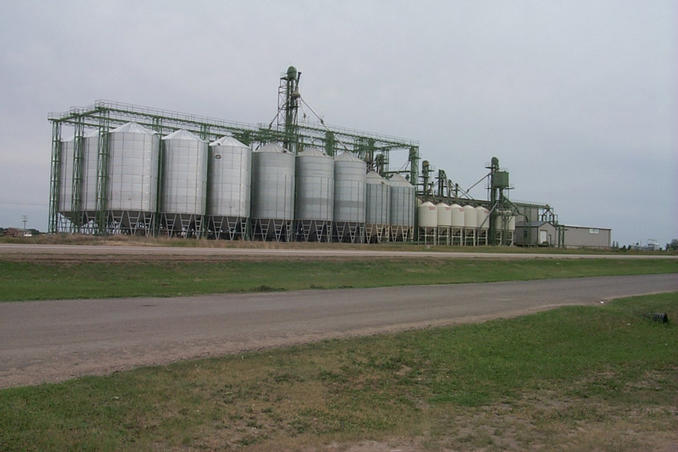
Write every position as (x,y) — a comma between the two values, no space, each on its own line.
(542,233)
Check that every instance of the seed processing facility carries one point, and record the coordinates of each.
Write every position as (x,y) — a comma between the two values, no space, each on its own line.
(135,170)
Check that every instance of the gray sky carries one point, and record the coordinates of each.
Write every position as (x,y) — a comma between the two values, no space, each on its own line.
(578,99)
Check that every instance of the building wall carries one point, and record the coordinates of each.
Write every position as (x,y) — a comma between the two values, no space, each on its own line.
(529,235)
(577,236)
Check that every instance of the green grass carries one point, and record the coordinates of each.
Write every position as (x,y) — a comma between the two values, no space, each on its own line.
(39,281)
(601,377)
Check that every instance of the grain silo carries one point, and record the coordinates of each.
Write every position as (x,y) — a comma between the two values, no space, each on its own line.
(66,178)
(505,226)
(184,184)
(132,188)
(229,188)
(428,223)
(402,209)
(377,208)
(457,228)
(483,223)
(314,203)
(90,159)
(470,225)
(349,198)
(444,223)
(273,193)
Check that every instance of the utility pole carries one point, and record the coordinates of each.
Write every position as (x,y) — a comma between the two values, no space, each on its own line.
(24,220)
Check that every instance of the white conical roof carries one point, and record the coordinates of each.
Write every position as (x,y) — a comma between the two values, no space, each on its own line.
(271,147)
(374,178)
(227,141)
(399,180)
(348,157)
(182,134)
(132,127)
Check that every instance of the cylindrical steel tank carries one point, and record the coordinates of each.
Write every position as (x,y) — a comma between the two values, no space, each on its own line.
(482,218)
(90,158)
(314,186)
(349,188)
(428,215)
(378,199)
(132,169)
(470,217)
(230,176)
(66,176)
(457,216)
(272,183)
(402,201)
(444,215)
(508,222)
(184,174)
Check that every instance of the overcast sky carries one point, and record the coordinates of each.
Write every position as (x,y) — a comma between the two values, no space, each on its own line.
(578,99)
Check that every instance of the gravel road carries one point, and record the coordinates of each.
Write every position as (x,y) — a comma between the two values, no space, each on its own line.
(49,341)
(104,252)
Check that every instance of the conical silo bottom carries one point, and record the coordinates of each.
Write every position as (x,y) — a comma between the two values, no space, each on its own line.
(349,232)
(313,230)
(401,233)
(226,227)
(181,224)
(272,229)
(376,233)
(129,222)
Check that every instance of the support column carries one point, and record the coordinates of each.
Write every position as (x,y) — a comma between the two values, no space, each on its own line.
(54,178)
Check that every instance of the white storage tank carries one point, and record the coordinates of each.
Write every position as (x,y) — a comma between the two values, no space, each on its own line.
(349,188)
(483,217)
(184,173)
(66,177)
(378,199)
(402,202)
(504,221)
(184,182)
(444,215)
(349,197)
(428,215)
(470,217)
(272,191)
(457,216)
(229,187)
(132,171)
(314,185)
(90,159)
(377,207)
(314,203)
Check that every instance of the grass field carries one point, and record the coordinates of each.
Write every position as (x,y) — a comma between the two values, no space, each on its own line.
(38,281)
(583,378)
